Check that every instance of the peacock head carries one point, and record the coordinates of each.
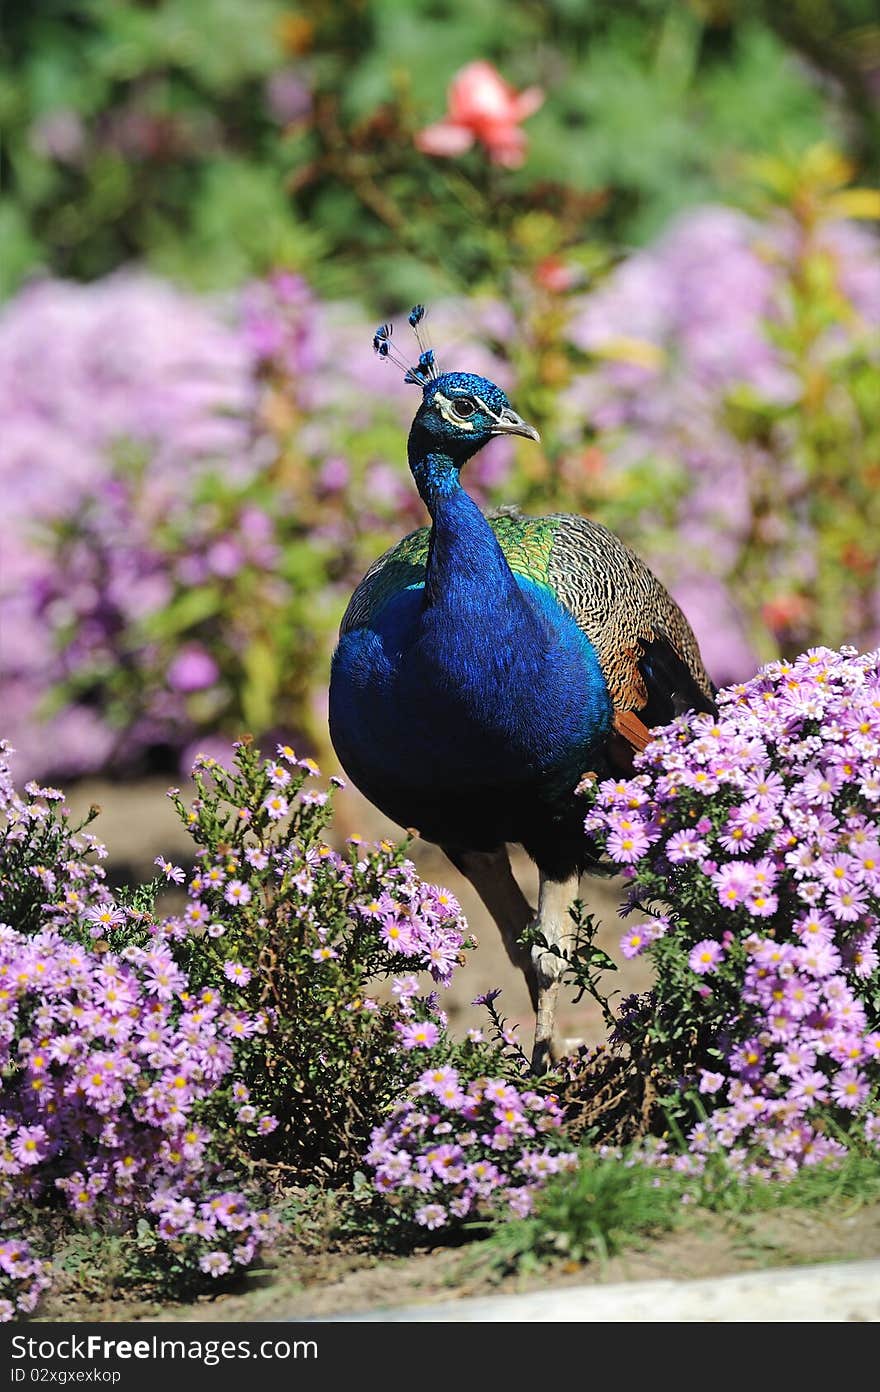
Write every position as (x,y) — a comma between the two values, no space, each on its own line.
(460,411)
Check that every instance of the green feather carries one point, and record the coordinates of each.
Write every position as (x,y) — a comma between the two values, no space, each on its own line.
(527,544)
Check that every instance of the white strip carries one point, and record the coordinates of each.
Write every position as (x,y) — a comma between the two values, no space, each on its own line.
(838,1292)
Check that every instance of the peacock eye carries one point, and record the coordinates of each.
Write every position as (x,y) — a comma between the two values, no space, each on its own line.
(463,406)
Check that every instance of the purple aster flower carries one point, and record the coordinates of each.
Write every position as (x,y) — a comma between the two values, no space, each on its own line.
(237,973)
(705,956)
(686,845)
(215,1263)
(405,987)
(276,806)
(236,892)
(29,1146)
(819,959)
(325,953)
(635,941)
(839,872)
(430,1216)
(733,883)
(174,873)
(846,905)
(421,1035)
(278,774)
(809,1087)
(628,844)
(747,1059)
(397,936)
(762,903)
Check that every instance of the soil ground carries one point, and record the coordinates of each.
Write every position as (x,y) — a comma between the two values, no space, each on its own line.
(338,1284)
(138,823)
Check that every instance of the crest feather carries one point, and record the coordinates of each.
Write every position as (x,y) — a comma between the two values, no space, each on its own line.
(421,373)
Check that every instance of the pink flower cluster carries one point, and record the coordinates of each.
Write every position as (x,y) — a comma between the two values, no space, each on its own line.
(23,1278)
(92,388)
(218,1233)
(419,922)
(51,872)
(758,836)
(419,926)
(127,1042)
(111,1054)
(453,1149)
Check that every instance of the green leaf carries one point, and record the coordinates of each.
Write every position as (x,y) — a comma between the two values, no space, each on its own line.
(261,681)
(186,611)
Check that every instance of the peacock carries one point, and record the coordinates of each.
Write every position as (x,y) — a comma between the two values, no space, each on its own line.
(486,664)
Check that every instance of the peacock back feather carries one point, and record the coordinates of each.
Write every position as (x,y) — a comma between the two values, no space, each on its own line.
(628,616)
(527,543)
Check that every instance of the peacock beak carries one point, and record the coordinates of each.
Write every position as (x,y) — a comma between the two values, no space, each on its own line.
(509,423)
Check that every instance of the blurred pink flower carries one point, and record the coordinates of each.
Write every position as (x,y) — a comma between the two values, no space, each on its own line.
(287,96)
(59,135)
(192,669)
(482,106)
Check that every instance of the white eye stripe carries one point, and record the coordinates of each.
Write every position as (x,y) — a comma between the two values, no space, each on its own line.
(444,405)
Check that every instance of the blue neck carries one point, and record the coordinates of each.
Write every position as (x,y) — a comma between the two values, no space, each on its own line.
(466,566)
(435,473)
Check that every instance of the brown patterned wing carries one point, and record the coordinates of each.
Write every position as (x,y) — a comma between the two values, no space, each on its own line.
(645,645)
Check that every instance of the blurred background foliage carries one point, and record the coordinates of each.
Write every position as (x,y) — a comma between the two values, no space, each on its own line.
(217,139)
(206,204)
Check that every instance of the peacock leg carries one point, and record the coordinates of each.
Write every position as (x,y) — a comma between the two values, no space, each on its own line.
(554,922)
(491,876)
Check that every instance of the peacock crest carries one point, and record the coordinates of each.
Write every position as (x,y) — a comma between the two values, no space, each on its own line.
(423,372)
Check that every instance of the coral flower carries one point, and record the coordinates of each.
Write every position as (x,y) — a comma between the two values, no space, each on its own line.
(483,107)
